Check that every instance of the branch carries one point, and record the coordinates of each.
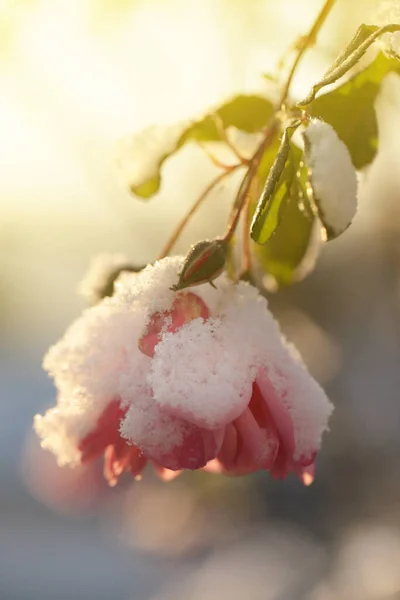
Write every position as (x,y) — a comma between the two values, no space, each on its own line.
(241,196)
(306,42)
(182,224)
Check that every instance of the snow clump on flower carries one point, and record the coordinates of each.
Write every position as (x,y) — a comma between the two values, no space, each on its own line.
(182,380)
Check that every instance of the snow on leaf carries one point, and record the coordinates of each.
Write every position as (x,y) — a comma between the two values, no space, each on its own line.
(332,177)
(141,156)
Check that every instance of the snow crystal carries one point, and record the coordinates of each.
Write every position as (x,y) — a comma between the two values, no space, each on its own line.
(86,365)
(152,430)
(152,286)
(93,351)
(143,424)
(197,375)
(333,176)
(63,427)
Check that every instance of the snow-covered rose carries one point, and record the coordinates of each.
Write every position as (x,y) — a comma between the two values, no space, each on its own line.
(183,380)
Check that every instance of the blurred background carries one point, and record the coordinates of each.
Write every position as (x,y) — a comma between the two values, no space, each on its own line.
(75,76)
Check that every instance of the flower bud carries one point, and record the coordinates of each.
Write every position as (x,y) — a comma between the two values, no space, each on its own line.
(204,262)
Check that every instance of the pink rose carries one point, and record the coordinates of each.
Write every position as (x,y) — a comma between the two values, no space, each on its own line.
(184,380)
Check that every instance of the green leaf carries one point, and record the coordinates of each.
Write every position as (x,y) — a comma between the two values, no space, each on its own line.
(285,256)
(140,157)
(362,34)
(276,190)
(143,155)
(364,37)
(350,109)
(290,253)
(248,113)
(149,187)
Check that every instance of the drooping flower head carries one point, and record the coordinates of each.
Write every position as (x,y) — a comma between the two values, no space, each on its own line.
(183,380)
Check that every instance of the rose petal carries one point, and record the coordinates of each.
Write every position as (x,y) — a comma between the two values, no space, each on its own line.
(186,307)
(278,411)
(253,438)
(229,447)
(104,434)
(166,474)
(121,457)
(307,474)
(196,449)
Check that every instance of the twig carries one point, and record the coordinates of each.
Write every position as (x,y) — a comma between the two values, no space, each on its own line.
(215,161)
(241,196)
(182,224)
(222,132)
(246,249)
(244,188)
(304,43)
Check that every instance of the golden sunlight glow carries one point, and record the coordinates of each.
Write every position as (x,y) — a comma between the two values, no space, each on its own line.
(76,75)
(69,88)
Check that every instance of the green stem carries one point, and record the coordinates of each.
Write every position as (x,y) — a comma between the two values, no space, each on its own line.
(182,224)
(241,196)
(305,42)
(245,186)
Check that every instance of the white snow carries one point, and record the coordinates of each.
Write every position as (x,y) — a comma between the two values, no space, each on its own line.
(197,375)
(139,156)
(333,177)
